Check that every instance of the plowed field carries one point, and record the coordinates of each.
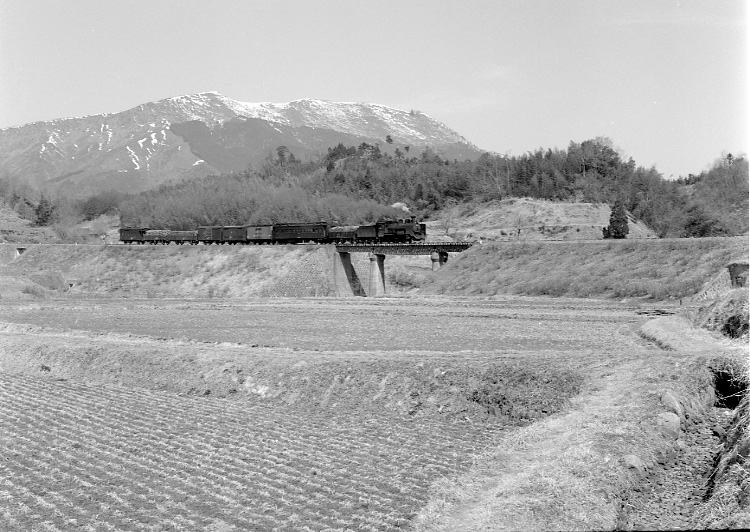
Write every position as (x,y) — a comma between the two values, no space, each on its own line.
(74,456)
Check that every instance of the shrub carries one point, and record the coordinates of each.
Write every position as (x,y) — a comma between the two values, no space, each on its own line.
(405,280)
(34,290)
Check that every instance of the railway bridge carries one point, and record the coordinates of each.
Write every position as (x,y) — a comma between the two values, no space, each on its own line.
(346,277)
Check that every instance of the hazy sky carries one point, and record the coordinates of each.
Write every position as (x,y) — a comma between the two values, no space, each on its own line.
(665,80)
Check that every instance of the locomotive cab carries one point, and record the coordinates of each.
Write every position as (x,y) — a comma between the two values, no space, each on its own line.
(401,231)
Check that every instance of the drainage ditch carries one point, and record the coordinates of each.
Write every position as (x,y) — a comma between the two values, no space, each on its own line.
(678,491)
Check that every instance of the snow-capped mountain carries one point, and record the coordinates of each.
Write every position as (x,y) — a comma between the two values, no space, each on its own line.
(194,135)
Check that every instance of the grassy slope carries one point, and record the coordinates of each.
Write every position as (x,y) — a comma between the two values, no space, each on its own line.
(658,269)
(172,271)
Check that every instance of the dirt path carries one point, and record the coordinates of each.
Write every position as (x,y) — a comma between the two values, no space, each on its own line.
(522,484)
(572,470)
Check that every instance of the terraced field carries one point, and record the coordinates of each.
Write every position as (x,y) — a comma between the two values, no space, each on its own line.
(317,415)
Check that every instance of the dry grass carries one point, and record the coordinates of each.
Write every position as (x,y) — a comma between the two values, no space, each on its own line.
(729,505)
(177,271)
(655,269)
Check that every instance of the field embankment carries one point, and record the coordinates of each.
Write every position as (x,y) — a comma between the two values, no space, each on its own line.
(476,386)
(656,269)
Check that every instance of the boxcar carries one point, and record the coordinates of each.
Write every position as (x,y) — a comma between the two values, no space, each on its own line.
(259,234)
(233,234)
(182,237)
(210,234)
(298,233)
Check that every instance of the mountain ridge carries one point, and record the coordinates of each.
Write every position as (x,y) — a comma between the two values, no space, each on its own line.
(154,142)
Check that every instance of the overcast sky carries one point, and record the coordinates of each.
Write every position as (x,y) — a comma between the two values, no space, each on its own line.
(666,80)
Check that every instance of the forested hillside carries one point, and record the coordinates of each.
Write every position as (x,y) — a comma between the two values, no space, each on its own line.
(355,184)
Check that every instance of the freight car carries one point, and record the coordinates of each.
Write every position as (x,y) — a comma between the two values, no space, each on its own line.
(236,234)
(144,235)
(394,231)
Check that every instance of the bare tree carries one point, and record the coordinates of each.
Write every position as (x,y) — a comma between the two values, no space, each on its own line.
(448,216)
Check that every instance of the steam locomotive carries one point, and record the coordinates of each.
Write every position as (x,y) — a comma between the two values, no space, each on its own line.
(393,231)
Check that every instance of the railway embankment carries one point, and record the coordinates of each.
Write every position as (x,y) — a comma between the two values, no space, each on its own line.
(649,268)
(165,271)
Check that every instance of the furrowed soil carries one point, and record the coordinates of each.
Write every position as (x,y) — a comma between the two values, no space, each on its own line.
(113,458)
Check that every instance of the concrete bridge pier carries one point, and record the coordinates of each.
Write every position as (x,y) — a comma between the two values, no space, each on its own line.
(438,259)
(377,274)
(345,277)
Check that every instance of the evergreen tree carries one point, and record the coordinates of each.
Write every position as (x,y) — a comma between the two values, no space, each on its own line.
(44,212)
(618,222)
